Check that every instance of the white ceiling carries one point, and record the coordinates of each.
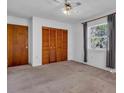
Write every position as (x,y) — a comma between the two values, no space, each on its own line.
(51,10)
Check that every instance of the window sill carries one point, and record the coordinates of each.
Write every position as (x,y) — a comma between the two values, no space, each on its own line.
(102,50)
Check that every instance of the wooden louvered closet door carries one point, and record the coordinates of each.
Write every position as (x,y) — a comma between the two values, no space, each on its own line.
(52,45)
(45,45)
(59,44)
(64,45)
(17,45)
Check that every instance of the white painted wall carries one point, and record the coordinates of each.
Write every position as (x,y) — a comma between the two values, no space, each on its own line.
(37,24)
(78,42)
(18,20)
(25,22)
(35,36)
(96,58)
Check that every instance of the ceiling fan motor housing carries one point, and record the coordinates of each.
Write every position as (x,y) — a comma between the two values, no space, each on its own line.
(68,6)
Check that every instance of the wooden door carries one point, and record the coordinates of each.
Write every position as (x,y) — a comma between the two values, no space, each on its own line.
(17,45)
(52,45)
(45,45)
(64,45)
(10,48)
(59,44)
(20,45)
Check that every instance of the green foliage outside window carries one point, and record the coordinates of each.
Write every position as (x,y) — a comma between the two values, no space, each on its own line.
(98,36)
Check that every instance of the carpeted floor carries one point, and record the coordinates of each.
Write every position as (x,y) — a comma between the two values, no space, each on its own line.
(63,77)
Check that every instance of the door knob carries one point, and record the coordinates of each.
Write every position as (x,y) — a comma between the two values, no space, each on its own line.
(26,46)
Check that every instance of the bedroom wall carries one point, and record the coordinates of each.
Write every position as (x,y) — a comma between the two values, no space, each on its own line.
(18,20)
(25,22)
(37,24)
(35,36)
(78,42)
(96,58)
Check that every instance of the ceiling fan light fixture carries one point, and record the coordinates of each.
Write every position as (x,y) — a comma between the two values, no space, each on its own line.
(67,8)
(66,12)
(68,5)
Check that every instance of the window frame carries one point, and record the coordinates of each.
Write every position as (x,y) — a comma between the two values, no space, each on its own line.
(89,37)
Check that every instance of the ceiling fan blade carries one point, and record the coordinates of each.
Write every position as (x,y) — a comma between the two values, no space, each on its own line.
(59,1)
(75,4)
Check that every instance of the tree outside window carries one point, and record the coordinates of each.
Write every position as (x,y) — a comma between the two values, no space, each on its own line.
(98,36)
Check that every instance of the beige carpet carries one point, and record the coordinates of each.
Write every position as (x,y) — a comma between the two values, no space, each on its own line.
(63,77)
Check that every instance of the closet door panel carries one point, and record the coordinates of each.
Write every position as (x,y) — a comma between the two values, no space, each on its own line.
(59,45)
(45,45)
(52,45)
(65,42)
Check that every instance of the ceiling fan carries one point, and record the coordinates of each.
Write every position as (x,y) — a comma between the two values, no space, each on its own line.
(68,5)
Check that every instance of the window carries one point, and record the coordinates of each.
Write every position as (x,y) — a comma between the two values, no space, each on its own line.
(97,36)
